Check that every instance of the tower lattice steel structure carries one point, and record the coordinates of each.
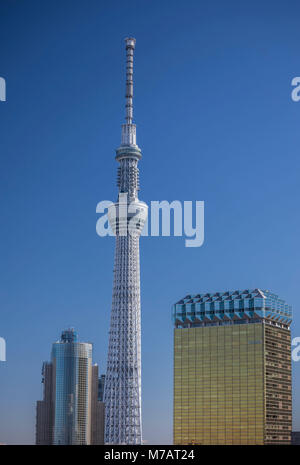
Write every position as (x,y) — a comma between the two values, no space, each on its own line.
(122,396)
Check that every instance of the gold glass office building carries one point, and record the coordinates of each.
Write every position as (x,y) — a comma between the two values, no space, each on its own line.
(232,369)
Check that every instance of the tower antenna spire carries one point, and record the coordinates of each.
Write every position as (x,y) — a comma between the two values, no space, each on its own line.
(129,129)
(130,46)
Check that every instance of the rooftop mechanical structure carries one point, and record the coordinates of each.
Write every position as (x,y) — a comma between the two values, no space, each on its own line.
(232,307)
(122,394)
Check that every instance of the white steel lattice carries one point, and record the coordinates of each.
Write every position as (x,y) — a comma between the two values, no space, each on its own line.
(122,393)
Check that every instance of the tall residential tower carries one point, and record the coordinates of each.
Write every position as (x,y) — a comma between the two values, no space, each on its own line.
(232,368)
(70,413)
(122,394)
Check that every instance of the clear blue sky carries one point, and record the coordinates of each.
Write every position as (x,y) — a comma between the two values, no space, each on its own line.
(215,121)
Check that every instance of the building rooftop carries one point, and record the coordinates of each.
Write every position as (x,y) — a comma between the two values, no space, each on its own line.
(237,306)
(69,335)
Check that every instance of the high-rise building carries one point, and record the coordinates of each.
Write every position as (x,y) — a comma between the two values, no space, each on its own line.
(295,438)
(97,411)
(45,408)
(101,384)
(122,393)
(232,369)
(70,412)
(72,361)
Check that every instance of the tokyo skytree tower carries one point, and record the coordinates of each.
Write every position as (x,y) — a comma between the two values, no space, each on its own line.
(122,394)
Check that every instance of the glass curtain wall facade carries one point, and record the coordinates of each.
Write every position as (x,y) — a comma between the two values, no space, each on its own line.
(72,361)
(70,412)
(232,369)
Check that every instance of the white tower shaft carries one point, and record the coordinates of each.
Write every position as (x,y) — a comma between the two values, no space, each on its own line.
(122,394)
